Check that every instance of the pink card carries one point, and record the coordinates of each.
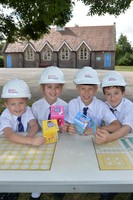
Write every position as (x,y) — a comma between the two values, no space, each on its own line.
(57,112)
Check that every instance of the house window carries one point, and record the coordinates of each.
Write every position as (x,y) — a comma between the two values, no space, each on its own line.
(47,53)
(64,53)
(83,53)
(29,53)
(98,58)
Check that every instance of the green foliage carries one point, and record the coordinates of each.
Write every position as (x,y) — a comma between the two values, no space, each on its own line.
(1,61)
(1,46)
(114,7)
(124,52)
(2,105)
(126,60)
(30,19)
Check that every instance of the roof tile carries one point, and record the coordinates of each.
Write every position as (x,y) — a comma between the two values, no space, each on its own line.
(98,38)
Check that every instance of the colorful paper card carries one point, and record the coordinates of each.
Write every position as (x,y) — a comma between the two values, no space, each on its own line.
(57,112)
(25,157)
(50,130)
(116,155)
(81,122)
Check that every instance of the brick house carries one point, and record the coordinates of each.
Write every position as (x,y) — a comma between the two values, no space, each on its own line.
(67,47)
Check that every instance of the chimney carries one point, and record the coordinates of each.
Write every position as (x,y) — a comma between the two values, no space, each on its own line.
(59,28)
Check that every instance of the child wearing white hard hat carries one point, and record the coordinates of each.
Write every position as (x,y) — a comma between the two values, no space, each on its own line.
(52,82)
(87,82)
(18,117)
(114,88)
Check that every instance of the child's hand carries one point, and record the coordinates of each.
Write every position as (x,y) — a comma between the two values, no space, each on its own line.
(71,129)
(37,141)
(88,131)
(101,136)
(64,128)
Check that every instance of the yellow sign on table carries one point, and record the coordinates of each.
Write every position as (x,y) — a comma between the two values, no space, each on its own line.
(117,155)
(50,130)
(25,157)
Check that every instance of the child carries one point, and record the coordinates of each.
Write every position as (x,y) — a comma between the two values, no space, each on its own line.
(51,81)
(15,93)
(87,81)
(114,86)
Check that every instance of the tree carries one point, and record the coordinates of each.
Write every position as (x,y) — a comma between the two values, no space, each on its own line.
(124,51)
(113,7)
(31,19)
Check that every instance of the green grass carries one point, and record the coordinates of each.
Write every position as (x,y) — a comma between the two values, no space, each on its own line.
(79,196)
(124,68)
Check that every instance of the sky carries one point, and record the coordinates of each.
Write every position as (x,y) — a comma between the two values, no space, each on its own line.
(124,22)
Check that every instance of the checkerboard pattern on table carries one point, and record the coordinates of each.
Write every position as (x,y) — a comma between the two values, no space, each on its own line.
(25,157)
(117,155)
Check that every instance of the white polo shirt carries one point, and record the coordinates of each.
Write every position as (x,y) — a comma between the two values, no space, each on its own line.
(9,120)
(124,112)
(97,110)
(41,110)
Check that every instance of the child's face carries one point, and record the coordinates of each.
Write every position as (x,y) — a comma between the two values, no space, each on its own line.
(87,92)
(113,95)
(16,106)
(52,91)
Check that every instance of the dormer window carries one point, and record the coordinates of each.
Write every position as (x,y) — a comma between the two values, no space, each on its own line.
(47,54)
(29,54)
(64,54)
(83,53)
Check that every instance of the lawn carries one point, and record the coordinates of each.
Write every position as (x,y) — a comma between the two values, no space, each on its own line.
(80,196)
(124,68)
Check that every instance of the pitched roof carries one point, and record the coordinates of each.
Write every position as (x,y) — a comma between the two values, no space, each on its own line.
(97,38)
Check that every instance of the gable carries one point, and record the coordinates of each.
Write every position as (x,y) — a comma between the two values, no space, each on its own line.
(29,46)
(96,38)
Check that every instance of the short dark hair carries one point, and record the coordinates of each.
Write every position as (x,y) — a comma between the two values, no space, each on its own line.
(122,88)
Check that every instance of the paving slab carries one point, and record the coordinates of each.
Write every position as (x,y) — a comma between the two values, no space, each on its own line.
(31,76)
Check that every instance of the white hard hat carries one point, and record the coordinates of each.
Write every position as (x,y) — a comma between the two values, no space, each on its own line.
(16,88)
(52,74)
(86,75)
(113,79)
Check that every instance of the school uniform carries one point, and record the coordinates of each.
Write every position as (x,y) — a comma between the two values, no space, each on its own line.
(124,112)
(9,120)
(97,110)
(41,109)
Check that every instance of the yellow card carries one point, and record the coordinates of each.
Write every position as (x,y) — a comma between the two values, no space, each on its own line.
(50,130)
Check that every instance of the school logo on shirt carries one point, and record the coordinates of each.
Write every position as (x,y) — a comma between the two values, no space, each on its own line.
(54,77)
(12,91)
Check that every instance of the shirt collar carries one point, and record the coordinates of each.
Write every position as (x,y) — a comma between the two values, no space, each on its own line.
(82,105)
(47,104)
(118,108)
